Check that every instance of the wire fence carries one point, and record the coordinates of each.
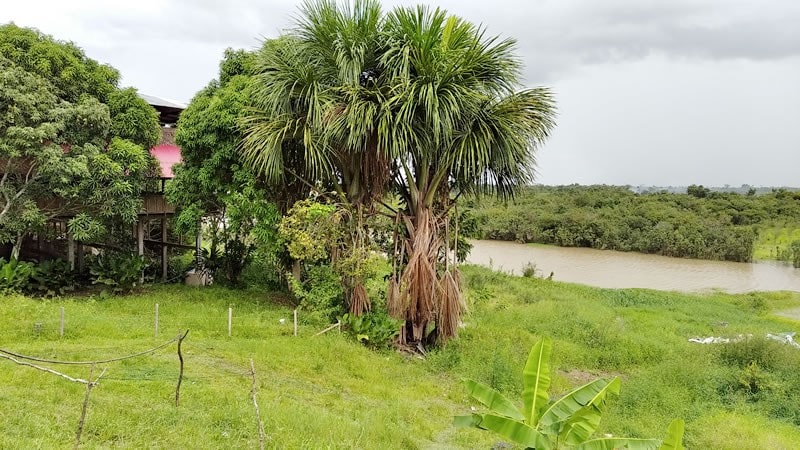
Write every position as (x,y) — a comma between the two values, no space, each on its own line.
(50,336)
(67,324)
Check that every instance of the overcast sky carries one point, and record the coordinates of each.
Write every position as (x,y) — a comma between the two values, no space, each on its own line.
(668,92)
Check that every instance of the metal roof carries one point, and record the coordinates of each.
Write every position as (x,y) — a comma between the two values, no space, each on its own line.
(158,101)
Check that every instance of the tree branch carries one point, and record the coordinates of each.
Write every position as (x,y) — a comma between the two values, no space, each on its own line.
(45,369)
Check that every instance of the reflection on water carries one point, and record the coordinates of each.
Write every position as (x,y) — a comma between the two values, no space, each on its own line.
(610,269)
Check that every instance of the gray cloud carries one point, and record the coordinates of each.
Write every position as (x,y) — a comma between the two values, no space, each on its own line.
(649,91)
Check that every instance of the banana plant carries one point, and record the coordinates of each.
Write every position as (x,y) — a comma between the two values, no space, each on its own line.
(566,423)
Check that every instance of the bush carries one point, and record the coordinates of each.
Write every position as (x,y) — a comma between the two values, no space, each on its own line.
(373,329)
(529,270)
(53,277)
(15,276)
(320,294)
(120,271)
(765,353)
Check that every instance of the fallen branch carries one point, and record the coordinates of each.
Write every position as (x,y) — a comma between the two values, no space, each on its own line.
(45,369)
(89,386)
(337,324)
(255,403)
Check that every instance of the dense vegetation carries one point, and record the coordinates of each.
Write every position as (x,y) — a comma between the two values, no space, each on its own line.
(72,144)
(701,224)
(330,391)
(412,103)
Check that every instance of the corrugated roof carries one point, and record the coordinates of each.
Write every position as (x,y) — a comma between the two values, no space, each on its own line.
(158,101)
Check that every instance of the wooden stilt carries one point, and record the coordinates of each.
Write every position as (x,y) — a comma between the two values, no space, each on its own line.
(164,248)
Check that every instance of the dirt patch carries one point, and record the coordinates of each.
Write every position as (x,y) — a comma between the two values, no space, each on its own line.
(578,377)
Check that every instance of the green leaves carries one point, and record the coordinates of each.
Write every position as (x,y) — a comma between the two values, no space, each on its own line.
(569,422)
(493,400)
(517,432)
(674,439)
(586,403)
(62,152)
(536,380)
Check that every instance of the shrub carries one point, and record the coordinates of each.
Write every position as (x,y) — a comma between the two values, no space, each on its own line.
(120,271)
(15,276)
(373,329)
(766,353)
(320,294)
(53,277)
(529,270)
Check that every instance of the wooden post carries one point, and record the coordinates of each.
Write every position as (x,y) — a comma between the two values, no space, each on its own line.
(156,319)
(164,248)
(197,242)
(89,386)
(61,327)
(230,321)
(70,250)
(254,391)
(140,237)
(180,375)
(140,244)
(295,321)
(80,256)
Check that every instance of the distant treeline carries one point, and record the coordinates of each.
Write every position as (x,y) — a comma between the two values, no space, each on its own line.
(700,224)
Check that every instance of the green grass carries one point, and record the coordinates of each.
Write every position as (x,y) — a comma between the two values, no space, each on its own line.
(773,240)
(330,392)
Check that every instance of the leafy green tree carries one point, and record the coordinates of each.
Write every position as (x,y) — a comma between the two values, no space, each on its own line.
(68,69)
(698,191)
(132,118)
(59,154)
(211,184)
(415,103)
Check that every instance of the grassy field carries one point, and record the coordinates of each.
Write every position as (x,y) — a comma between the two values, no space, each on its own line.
(772,240)
(330,392)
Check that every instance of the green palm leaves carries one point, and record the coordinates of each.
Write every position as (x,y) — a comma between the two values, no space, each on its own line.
(413,103)
(568,422)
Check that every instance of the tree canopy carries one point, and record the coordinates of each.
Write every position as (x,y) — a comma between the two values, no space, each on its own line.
(211,182)
(415,103)
(71,143)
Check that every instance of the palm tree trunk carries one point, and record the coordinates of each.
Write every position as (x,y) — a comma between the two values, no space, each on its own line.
(419,279)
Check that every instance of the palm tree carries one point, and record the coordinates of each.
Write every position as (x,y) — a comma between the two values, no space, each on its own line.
(414,103)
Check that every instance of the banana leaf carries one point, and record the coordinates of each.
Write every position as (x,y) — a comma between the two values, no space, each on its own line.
(536,380)
(562,409)
(582,424)
(517,432)
(674,440)
(493,400)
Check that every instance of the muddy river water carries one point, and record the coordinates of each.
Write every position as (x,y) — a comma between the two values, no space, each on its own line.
(611,269)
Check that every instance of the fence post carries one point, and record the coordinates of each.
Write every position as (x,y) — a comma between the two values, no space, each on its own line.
(61,326)
(230,321)
(156,319)
(295,321)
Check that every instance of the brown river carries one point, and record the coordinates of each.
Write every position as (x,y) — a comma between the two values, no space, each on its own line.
(611,269)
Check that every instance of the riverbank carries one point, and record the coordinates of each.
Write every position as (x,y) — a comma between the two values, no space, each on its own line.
(331,391)
(612,269)
(702,224)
